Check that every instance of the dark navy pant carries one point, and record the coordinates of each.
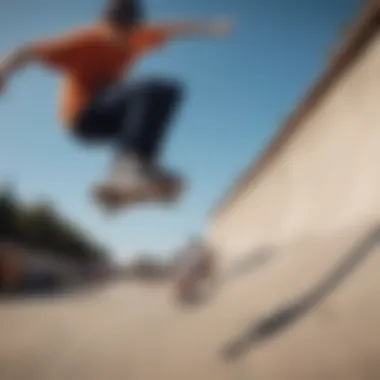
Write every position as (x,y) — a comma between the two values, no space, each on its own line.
(134,116)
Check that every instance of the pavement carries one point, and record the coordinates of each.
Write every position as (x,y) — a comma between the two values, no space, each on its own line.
(307,310)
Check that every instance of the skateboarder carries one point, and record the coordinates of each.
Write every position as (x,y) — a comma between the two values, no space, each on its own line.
(98,105)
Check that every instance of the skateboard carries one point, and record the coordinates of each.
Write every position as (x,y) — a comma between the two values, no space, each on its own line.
(111,199)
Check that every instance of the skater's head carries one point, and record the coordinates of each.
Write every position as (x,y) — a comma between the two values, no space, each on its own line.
(124,13)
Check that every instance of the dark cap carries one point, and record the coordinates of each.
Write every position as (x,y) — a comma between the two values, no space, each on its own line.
(124,13)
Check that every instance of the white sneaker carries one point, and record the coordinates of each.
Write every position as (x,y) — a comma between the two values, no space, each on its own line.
(128,174)
(132,181)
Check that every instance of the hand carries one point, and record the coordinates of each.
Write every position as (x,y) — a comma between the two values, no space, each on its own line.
(222,27)
(2,86)
(2,80)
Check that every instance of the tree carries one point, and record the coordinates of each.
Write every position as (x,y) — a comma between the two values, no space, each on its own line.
(9,215)
(41,227)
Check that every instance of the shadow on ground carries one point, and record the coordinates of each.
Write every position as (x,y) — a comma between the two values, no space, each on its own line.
(284,317)
(249,263)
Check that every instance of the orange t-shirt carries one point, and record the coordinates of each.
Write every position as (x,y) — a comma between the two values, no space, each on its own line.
(92,58)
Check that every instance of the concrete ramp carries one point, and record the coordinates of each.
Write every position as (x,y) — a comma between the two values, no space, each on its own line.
(317,317)
(321,173)
(313,200)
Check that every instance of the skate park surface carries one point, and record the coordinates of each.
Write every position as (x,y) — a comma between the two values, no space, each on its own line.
(299,292)
(310,310)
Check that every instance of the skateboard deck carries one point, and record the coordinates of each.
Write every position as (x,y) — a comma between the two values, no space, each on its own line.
(115,199)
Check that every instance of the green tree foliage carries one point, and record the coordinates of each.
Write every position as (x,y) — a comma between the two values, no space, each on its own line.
(9,215)
(41,227)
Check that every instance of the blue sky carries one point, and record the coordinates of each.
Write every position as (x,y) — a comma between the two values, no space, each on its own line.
(239,92)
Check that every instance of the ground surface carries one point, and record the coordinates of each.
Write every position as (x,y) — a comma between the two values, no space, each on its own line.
(309,310)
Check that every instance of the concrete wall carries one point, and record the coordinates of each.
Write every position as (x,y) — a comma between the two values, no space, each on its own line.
(326,179)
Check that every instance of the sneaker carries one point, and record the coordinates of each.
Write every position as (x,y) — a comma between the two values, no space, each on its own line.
(164,178)
(128,174)
(133,181)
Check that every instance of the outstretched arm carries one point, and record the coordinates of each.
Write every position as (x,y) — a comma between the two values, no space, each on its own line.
(16,61)
(211,28)
(53,52)
(19,59)
(155,36)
